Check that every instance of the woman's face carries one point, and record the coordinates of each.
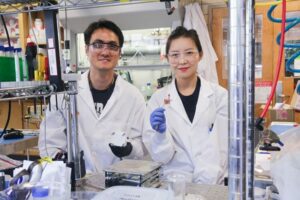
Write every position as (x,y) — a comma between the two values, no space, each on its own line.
(183,57)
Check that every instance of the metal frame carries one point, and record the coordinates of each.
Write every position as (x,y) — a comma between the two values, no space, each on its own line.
(17,6)
(26,92)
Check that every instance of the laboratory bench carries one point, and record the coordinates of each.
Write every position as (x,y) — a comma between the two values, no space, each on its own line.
(12,146)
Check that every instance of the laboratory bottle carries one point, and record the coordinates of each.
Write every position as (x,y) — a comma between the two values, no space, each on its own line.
(143,91)
(2,68)
(149,91)
(2,181)
(31,53)
(24,67)
(40,193)
(17,65)
(8,71)
(40,71)
(1,50)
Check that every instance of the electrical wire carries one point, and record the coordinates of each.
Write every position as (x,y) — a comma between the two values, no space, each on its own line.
(9,102)
(278,66)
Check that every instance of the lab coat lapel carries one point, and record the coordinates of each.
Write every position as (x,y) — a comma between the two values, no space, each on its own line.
(176,103)
(85,93)
(111,101)
(203,100)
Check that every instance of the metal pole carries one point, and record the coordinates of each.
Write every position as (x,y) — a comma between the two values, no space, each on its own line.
(250,79)
(237,124)
(72,130)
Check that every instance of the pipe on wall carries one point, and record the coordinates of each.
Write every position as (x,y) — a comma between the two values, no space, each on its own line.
(237,114)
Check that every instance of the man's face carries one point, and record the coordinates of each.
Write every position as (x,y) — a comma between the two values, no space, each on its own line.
(103,51)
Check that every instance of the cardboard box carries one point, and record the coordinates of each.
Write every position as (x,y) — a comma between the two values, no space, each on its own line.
(283,114)
(295,103)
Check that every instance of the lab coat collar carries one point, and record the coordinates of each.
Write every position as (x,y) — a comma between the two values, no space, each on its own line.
(202,104)
(205,94)
(85,93)
(176,103)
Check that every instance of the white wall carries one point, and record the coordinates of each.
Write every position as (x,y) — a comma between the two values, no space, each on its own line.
(129,16)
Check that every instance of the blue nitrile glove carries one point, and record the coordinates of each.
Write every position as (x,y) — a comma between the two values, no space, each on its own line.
(158,120)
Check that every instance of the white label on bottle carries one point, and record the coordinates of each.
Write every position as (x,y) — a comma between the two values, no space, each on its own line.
(52,62)
(50,43)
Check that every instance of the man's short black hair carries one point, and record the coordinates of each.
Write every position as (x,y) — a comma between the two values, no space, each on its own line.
(103,23)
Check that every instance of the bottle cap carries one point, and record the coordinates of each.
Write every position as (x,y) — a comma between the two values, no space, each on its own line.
(40,191)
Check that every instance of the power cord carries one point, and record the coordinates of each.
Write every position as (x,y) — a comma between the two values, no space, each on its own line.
(9,102)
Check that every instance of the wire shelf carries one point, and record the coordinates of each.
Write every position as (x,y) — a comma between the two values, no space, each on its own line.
(17,92)
(17,6)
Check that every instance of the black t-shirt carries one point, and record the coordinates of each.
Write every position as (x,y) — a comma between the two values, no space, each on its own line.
(101,97)
(190,102)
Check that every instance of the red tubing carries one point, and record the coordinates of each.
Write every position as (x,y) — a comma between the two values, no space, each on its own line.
(279,60)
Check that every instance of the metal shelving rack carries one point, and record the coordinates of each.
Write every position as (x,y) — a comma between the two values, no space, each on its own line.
(26,90)
(17,6)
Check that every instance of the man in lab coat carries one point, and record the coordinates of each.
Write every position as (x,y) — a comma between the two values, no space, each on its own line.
(107,105)
(186,125)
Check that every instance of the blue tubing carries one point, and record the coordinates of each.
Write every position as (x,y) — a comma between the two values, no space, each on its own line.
(291,23)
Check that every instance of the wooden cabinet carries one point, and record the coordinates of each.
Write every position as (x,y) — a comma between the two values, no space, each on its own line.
(16,117)
(265,47)
(25,26)
(24,115)
(18,26)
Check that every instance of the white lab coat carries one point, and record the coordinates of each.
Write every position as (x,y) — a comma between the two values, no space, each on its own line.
(194,19)
(191,148)
(124,111)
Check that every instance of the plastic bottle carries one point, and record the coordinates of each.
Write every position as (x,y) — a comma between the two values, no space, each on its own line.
(31,52)
(24,67)
(1,63)
(40,193)
(148,91)
(17,64)
(143,91)
(8,70)
(2,181)
(1,50)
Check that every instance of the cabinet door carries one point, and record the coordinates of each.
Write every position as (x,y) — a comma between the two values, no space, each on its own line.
(16,116)
(288,79)
(263,43)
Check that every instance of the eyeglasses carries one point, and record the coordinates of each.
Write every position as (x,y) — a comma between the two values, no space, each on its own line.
(175,56)
(100,45)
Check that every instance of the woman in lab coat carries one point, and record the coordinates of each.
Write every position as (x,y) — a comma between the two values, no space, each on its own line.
(186,123)
(106,105)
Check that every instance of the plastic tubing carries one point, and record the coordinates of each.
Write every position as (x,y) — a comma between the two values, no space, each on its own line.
(292,22)
(279,60)
(270,3)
